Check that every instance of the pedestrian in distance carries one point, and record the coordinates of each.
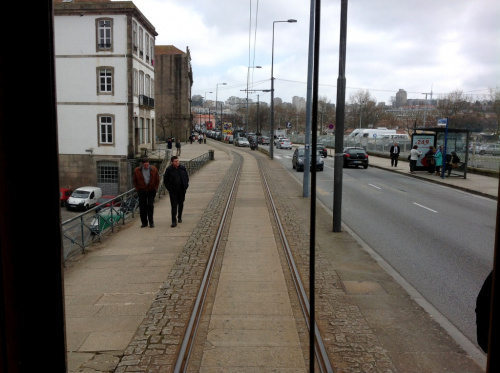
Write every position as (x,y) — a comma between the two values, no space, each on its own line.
(169,143)
(394,151)
(176,181)
(178,147)
(414,155)
(146,181)
(204,138)
(438,159)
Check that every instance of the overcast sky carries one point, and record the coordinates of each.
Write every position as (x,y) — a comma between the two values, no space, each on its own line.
(419,46)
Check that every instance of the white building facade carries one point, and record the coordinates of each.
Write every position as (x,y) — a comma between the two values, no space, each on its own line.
(104,58)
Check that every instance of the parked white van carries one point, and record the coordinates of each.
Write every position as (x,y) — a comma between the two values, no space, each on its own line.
(83,198)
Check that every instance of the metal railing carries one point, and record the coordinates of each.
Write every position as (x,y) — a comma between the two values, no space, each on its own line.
(96,223)
(90,226)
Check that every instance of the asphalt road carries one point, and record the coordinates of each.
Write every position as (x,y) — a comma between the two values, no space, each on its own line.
(438,239)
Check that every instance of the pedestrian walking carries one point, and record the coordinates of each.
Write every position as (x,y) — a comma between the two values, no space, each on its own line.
(178,147)
(169,143)
(414,155)
(146,181)
(176,180)
(394,152)
(204,138)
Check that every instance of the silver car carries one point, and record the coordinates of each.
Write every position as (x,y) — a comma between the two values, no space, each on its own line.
(284,144)
(242,141)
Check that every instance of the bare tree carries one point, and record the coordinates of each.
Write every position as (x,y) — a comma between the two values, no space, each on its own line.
(495,101)
(458,108)
(163,123)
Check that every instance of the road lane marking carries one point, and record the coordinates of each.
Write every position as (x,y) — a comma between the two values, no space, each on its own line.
(415,203)
(374,186)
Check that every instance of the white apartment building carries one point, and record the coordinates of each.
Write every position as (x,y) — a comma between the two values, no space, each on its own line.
(104,59)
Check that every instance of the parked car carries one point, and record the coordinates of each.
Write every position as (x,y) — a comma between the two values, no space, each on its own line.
(108,200)
(284,144)
(477,147)
(322,150)
(83,198)
(299,156)
(493,149)
(242,141)
(355,156)
(264,140)
(64,194)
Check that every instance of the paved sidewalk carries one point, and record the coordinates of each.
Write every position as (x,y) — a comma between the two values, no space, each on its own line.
(110,289)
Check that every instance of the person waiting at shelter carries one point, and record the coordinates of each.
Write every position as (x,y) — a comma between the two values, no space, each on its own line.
(452,161)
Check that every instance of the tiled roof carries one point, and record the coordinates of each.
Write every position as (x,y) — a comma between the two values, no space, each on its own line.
(167,49)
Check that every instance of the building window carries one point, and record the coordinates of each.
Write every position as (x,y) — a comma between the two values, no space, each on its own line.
(141,42)
(106,130)
(147,88)
(136,85)
(141,82)
(141,131)
(105,80)
(148,132)
(134,37)
(108,177)
(152,88)
(147,47)
(104,34)
(152,53)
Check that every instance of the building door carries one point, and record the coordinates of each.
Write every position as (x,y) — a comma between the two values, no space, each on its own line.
(108,177)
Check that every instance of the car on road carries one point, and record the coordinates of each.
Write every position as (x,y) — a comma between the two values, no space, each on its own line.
(264,140)
(242,141)
(284,144)
(355,156)
(275,141)
(299,156)
(322,150)
(493,149)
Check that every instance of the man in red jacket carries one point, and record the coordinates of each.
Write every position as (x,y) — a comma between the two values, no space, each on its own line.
(146,182)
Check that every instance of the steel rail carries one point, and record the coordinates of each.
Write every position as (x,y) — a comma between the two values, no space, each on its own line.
(182,361)
(319,348)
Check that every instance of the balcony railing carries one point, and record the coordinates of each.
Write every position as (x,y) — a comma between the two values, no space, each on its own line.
(146,101)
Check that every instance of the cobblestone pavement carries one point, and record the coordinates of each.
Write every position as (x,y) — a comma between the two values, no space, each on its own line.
(369,322)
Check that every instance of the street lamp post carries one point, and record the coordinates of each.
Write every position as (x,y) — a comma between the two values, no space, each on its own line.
(248,76)
(360,112)
(216,93)
(271,143)
(205,99)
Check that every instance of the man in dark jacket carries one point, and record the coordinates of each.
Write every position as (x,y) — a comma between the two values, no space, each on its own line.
(176,180)
(146,182)
(394,151)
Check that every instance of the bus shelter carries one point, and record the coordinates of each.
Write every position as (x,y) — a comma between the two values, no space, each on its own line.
(453,140)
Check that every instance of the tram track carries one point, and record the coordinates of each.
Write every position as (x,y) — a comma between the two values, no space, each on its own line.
(182,363)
